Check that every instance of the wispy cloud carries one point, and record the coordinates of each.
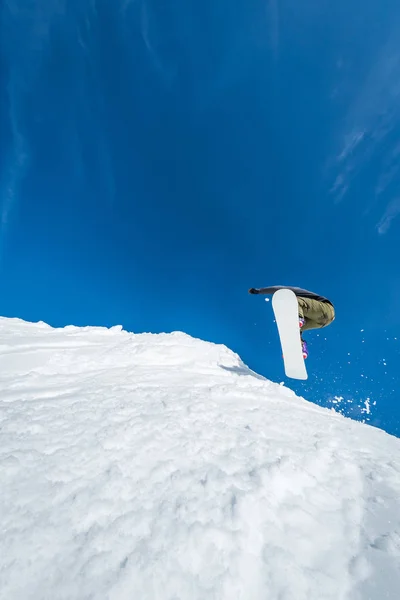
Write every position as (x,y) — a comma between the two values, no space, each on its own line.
(15,164)
(153,35)
(391,212)
(145,22)
(370,138)
(13,175)
(24,34)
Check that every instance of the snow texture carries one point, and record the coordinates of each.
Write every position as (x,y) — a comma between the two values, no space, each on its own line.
(159,467)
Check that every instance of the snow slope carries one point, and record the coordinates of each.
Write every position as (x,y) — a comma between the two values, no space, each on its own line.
(158,467)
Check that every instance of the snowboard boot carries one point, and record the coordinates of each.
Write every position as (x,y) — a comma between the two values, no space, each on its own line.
(304,348)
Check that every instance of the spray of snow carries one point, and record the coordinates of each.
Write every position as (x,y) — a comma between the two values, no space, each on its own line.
(360,409)
(160,467)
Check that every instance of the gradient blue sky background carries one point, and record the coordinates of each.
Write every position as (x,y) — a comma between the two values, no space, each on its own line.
(160,158)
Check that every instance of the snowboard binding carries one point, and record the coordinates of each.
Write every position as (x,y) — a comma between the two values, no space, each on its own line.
(304,348)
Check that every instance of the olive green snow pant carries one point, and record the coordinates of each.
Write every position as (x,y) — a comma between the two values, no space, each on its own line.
(316,314)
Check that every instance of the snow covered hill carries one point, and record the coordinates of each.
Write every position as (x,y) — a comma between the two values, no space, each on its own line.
(158,467)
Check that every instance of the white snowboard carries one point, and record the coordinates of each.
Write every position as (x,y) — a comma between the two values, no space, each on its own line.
(286,310)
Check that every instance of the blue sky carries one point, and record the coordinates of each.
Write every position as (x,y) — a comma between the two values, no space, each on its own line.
(158,159)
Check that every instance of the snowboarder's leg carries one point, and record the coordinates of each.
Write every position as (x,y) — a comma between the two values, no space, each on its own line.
(316,314)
